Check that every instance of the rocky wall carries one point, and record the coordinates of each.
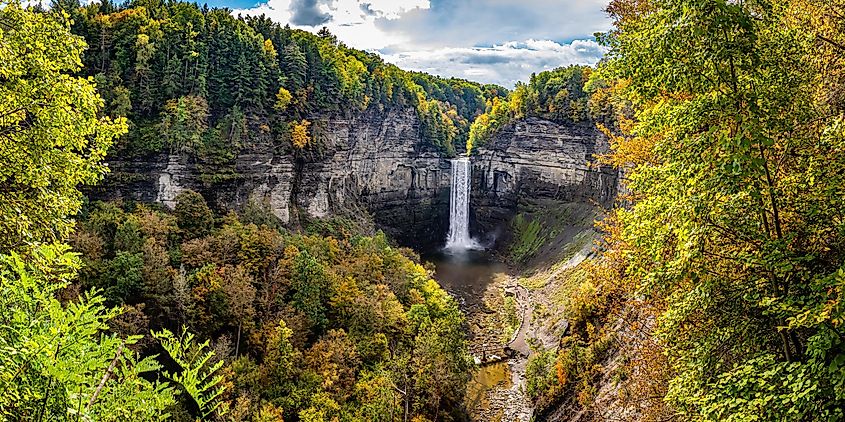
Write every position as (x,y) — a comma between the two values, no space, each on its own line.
(538,159)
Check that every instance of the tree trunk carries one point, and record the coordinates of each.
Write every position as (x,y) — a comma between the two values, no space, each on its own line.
(238,342)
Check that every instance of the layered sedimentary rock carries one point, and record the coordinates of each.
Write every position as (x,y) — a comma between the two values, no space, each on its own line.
(377,163)
(538,159)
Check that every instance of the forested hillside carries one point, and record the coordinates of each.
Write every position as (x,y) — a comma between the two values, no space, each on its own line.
(558,95)
(328,323)
(715,295)
(318,325)
(198,80)
(719,291)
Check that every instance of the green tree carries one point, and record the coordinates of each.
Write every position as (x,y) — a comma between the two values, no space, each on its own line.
(193,216)
(52,136)
(295,67)
(57,360)
(199,371)
(184,123)
(735,163)
(121,280)
(311,288)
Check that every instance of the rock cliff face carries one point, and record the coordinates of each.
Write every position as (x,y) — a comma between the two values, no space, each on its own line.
(537,159)
(374,162)
(378,163)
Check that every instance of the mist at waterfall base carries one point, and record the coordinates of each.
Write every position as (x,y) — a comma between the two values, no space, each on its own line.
(459,239)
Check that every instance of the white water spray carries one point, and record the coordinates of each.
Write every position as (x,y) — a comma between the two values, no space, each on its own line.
(459,207)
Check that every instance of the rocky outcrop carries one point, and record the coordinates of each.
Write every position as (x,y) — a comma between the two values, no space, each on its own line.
(374,163)
(380,164)
(537,159)
(377,163)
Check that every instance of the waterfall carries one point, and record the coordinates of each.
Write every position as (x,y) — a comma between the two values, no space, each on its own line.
(459,207)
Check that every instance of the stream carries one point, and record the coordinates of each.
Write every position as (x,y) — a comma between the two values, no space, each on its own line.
(477,280)
(481,285)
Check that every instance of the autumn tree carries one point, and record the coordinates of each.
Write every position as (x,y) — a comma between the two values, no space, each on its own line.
(283,99)
(239,294)
(52,135)
(192,214)
(299,134)
(734,162)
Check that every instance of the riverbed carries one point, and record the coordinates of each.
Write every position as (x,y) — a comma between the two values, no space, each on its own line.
(467,274)
(479,281)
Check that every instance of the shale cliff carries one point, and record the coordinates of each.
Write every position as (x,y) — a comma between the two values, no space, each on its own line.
(537,159)
(377,162)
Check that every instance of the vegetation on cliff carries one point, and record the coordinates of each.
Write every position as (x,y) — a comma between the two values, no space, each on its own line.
(722,279)
(558,95)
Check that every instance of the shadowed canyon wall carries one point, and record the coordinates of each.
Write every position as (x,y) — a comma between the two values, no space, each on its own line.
(377,162)
(538,159)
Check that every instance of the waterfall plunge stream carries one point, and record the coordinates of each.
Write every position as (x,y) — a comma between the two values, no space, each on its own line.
(459,238)
(471,274)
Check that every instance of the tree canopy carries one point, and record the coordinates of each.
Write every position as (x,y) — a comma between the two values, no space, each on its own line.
(724,264)
(174,69)
(558,95)
(60,359)
(52,135)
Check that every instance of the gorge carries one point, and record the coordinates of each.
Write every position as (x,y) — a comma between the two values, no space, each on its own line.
(343,151)
(214,214)
(378,163)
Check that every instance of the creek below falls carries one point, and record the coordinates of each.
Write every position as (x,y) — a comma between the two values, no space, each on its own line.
(479,280)
(470,276)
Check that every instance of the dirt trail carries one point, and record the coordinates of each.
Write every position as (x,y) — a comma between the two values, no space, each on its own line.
(519,343)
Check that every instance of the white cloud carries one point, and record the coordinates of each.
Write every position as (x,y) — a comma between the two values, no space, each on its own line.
(352,21)
(504,64)
(471,39)
(392,9)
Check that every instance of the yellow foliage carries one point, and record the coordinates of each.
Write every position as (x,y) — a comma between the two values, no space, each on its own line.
(269,48)
(299,134)
(283,99)
(627,150)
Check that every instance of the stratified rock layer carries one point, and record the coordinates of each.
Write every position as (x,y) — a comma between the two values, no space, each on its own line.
(377,163)
(537,159)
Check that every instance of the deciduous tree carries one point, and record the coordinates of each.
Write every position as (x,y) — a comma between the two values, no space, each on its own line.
(52,135)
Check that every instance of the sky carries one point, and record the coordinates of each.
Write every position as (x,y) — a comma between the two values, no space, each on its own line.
(489,41)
